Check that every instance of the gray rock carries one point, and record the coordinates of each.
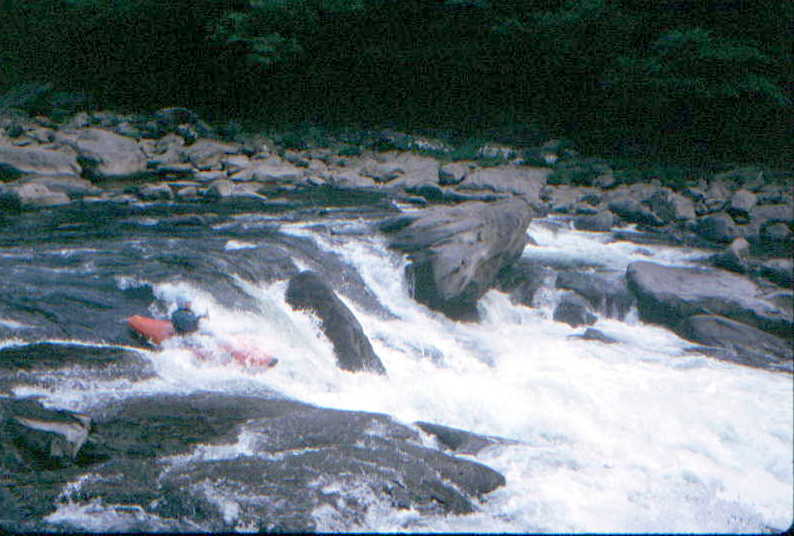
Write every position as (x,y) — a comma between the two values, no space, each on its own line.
(602,221)
(592,334)
(666,295)
(747,345)
(735,256)
(155,192)
(779,271)
(741,204)
(224,188)
(671,207)
(17,161)
(632,211)
(523,279)
(307,291)
(776,231)
(207,154)
(382,172)
(174,170)
(461,441)
(38,437)
(106,155)
(452,173)
(74,187)
(574,311)
(717,228)
(457,252)
(522,181)
(270,172)
(15,197)
(301,458)
(609,296)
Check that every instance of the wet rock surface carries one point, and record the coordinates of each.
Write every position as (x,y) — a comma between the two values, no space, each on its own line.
(156,454)
(457,252)
(308,291)
(666,295)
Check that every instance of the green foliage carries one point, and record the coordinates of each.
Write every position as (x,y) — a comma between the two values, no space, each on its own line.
(611,72)
(694,64)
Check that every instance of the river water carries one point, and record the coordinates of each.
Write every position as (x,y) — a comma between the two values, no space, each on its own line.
(638,436)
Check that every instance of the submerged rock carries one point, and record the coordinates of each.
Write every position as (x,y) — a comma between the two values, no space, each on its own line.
(353,350)
(461,441)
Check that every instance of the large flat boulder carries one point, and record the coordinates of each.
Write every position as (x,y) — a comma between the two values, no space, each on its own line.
(308,291)
(457,252)
(107,155)
(295,459)
(17,161)
(667,294)
(524,181)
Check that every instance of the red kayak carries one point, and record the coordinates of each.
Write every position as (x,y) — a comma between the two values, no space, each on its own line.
(157,330)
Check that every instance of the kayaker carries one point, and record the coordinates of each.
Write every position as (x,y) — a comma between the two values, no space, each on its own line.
(184,319)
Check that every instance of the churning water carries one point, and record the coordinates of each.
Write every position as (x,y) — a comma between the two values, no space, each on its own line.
(637,436)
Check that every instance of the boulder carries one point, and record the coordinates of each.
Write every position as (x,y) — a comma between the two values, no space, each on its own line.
(224,188)
(632,211)
(666,295)
(602,221)
(17,161)
(671,207)
(207,154)
(523,181)
(746,344)
(457,252)
(735,256)
(307,291)
(155,192)
(37,437)
(779,271)
(270,171)
(741,203)
(452,173)
(298,460)
(74,187)
(717,228)
(522,280)
(106,155)
(574,311)
(382,172)
(609,296)
(15,197)
(461,441)
(418,172)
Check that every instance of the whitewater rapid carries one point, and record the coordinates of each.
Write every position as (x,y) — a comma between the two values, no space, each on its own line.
(638,436)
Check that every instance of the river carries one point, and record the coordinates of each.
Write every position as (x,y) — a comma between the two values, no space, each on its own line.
(643,435)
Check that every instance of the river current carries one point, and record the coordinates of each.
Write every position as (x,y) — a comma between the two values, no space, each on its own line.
(644,435)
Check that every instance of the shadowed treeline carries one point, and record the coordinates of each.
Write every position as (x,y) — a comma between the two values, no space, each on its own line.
(680,78)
